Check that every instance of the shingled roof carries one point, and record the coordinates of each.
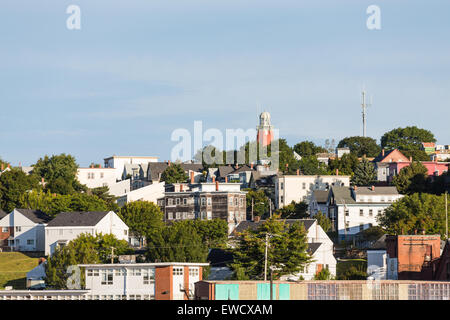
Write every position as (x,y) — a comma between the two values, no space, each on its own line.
(77,218)
(376,191)
(157,168)
(313,246)
(321,196)
(2,214)
(37,216)
(342,195)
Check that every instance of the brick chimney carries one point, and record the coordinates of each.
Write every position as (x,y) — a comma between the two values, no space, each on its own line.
(181,187)
(298,172)
(226,179)
(337,172)
(217,185)
(192,177)
(382,152)
(373,188)
(251,165)
(3,167)
(168,162)
(256,218)
(213,178)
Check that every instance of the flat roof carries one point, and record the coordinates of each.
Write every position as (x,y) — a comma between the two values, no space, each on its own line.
(152,264)
(142,157)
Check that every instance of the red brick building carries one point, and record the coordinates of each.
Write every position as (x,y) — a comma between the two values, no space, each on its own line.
(414,255)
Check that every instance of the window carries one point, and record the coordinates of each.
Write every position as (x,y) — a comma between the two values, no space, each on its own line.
(303,185)
(241,202)
(379,211)
(281,185)
(370,212)
(209,215)
(231,201)
(177,271)
(148,276)
(209,201)
(282,199)
(347,226)
(170,215)
(203,216)
(30,242)
(18,229)
(347,212)
(203,201)
(102,175)
(125,232)
(193,272)
(107,277)
(5,229)
(178,215)
(135,272)
(178,201)
(236,201)
(184,201)
(361,212)
(120,272)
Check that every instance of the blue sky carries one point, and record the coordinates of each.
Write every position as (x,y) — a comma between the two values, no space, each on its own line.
(137,70)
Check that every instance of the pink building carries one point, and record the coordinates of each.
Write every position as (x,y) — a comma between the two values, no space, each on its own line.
(434,168)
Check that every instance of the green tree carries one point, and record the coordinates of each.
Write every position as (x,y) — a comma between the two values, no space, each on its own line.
(286,157)
(85,249)
(3,163)
(174,174)
(361,146)
(59,173)
(409,138)
(323,221)
(309,165)
(415,213)
(345,164)
(103,193)
(260,202)
(177,242)
(144,218)
(308,148)
(286,254)
(294,210)
(214,233)
(411,179)
(324,274)
(53,204)
(13,184)
(364,173)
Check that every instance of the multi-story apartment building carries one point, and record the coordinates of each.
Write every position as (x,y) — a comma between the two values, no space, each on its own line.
(206,201)
(353,209)
(298,187)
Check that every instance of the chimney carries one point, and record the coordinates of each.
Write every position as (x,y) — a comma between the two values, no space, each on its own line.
(382,152)
(373,188)
(256,218)
(226,179)
(337,171)
(9,165)
(236,166)
(251,165)
(3,167)
(217,185)
(168,162)
(410,159)
(192,177)
(41,260)
(298,172)
(213,179)
(181,187)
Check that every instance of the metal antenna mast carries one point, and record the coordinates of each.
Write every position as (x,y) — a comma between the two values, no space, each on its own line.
(364,106)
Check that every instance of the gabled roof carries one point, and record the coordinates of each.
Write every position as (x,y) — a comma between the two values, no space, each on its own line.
(37,216)
(77,218)
(313,246)
(380,156)
(2,214)
(225,170)
(321,196)
(243,168)
(342,195)
(244,225)
(376,190)
(157,168)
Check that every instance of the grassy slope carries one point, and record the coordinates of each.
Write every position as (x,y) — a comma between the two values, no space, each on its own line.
(13,269)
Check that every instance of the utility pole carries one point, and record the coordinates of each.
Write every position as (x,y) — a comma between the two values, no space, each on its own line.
(364,105)
(446,216)
(112,255)
(265,257)
(271,284)
(270,207)
(252,210)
